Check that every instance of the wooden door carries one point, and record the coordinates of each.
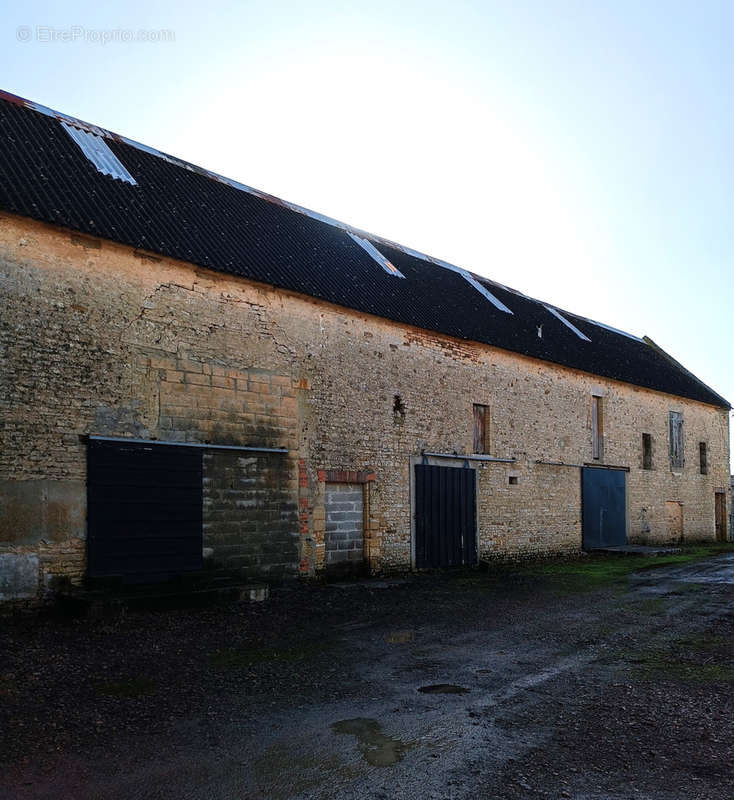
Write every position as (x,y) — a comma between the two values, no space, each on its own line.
(720,516)
(674,520)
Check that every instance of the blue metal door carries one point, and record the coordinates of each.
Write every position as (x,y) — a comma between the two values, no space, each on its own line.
(604,506)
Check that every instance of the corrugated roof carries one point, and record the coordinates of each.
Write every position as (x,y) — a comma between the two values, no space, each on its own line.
(185,212)
(95,149)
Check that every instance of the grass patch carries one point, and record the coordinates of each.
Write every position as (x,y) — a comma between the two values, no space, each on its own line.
(649,606)
(469,579)
(697,658)
(703,643)
(127,687)
(235,657)
(659,665)
(609,569)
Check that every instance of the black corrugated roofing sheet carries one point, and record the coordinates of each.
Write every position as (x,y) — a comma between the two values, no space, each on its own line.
(184,214)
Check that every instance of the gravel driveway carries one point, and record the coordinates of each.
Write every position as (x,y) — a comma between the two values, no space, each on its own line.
(572,680)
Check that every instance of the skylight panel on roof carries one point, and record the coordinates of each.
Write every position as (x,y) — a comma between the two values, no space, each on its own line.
(495,301)
(614,330)
(368,247)
(567,323)
(96,150)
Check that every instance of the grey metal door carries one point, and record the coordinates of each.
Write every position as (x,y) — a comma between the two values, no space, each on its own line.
(603,501)
(445,516)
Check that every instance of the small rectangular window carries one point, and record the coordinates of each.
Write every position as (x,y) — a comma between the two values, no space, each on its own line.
(702,458)
(646,451)
(597,428)
(481,428)
(677,459)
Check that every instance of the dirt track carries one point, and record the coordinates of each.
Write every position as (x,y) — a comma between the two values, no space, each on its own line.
(552,682)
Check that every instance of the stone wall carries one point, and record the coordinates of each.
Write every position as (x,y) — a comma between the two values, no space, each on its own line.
(98,338)
(539,512)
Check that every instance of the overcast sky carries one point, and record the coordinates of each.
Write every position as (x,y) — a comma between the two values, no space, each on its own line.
(580,152)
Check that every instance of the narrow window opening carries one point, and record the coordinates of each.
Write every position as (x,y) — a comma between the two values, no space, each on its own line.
(597,428)
(702,457)
(677,459)
(512,480)
(481,429)
(398,408)
(646,451)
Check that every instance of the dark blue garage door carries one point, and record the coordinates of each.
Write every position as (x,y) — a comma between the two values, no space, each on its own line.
(144,510)
(445,516)
(604,506)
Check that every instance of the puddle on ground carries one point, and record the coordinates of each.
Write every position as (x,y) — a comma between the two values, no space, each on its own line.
(376,748)
(443,688)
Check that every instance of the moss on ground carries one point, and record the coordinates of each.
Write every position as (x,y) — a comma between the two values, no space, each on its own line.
(660,665)
(235,657)
(698,658)
(606,569)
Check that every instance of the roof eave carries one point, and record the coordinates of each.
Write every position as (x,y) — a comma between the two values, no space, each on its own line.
(724,402)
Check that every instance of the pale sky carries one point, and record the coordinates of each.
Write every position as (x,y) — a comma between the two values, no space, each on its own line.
(580,152)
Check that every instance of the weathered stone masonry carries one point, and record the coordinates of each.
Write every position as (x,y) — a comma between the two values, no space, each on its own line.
(98,338)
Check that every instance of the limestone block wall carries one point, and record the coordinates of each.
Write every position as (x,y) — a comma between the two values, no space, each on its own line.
(100,339)
(528,508)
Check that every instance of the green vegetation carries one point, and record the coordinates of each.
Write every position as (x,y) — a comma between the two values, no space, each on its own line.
(701,642)
(649,605)
(235,657)
(607,569)
(660,665)
(699,658)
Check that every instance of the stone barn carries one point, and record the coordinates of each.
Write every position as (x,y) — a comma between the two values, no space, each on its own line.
(195,373)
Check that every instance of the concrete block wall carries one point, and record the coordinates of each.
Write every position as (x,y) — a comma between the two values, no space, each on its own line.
(98,338)
(250,514)
(344,505)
